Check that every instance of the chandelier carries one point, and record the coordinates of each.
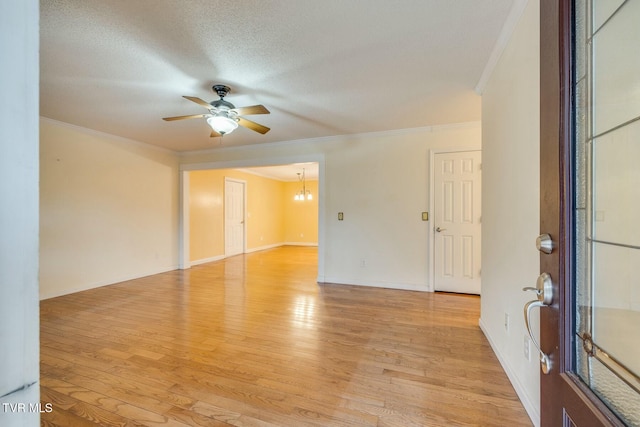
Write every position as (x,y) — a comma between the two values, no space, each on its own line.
(303,194)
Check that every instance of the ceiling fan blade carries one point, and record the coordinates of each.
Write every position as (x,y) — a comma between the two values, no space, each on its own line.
(214,134)
(191,116)
(198,101)
(254,109)
(253,125)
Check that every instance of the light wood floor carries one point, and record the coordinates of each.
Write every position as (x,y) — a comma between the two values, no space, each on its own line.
(254,341)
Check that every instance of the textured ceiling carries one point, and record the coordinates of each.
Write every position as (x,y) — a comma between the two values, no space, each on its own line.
(323,68)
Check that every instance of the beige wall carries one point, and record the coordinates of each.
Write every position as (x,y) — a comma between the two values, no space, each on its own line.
(265,211)
(108,209)
(206,215)
(273,218)
(510,203)
(300,217)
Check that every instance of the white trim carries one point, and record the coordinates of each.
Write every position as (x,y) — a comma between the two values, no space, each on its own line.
(207,260)
(247,251)
(333,138)
(249,147)
(252,250)
(250,163)
(265,247)
(184,235)
(374,283)
(503,39)
(531,409)
(430,230)
(102,283)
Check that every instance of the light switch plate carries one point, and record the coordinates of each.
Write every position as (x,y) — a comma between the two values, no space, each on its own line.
(340,216)
(425,216)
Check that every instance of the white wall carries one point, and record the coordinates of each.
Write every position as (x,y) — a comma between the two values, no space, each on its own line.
(108,209)
(380,182)
(19,349)
(510,192)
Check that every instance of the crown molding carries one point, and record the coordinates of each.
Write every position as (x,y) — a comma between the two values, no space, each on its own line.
(337,138)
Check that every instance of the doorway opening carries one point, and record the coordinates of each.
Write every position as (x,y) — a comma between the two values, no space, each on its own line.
(266,216)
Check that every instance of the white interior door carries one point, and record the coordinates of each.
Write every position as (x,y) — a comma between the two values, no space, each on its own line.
(456,221)
(234,230)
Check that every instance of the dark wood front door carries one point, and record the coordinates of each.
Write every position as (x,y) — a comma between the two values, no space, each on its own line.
(573,140)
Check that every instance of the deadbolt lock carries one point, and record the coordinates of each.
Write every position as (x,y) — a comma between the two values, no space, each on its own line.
(544,243)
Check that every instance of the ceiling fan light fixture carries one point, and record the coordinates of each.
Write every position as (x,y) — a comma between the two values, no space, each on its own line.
(222,116)
(222,124)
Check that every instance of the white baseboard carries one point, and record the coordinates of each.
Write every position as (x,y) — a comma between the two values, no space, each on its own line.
(375,284)
(86,287)
(277,245)
(206,260)
(251,250)
(532,410)
(263,248)
(300,244)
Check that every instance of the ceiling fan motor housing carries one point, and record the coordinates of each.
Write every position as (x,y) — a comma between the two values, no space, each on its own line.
(221,90)
(221,104)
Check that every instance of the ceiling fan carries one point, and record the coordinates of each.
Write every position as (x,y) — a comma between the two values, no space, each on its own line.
(223,116)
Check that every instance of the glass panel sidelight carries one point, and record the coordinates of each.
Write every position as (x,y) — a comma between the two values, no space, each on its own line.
(607,201)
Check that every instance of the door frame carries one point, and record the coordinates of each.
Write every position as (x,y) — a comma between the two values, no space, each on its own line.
(561,389)
(244,213)
(431,235)
(184,261)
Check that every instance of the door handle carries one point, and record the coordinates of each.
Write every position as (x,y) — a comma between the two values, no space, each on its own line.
(440,230)
(544,293)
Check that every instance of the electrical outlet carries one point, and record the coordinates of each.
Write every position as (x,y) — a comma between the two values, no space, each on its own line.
(506,322)
(527,348)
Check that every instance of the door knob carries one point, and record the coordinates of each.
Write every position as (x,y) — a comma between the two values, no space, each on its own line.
(544,293)
(440,230)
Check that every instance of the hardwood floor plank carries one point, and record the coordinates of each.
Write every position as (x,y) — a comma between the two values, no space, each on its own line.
(96,415)
(252,340)
(192,418)
(77,413)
